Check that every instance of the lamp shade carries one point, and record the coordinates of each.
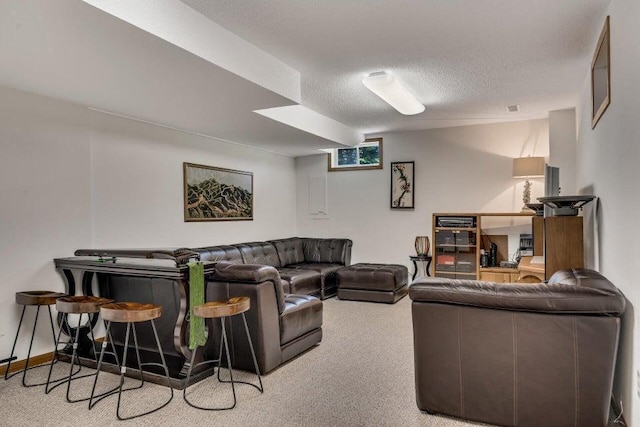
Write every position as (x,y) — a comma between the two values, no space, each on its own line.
(390,90)
(528,167)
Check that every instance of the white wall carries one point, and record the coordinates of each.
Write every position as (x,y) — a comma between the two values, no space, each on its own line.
(463,169)
(607,166)
(138,189)
(73,178)
(562,148)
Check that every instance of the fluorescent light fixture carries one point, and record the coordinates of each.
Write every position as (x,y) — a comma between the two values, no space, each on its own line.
(391,91)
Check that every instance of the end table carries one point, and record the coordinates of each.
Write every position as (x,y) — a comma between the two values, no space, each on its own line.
(424,260)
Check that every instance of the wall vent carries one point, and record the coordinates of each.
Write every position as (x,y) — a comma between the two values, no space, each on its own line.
(513,108)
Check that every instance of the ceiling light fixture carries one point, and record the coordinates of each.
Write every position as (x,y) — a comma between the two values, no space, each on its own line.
(390,90)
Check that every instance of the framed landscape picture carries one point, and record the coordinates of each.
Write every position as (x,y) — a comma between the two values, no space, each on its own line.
(217,194)
(402,190)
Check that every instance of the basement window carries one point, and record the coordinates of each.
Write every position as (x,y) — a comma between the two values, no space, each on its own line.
(366,155)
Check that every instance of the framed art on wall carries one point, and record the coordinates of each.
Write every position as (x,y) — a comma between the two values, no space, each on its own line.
(601,76)
(217,194)
(402,189)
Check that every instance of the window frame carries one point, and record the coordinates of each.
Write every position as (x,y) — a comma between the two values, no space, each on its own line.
(332,155)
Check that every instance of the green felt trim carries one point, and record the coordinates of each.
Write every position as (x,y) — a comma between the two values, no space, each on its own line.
(197,335)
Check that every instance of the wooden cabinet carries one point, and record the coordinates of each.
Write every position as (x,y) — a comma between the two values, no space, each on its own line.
(499,275)
(455,246)
(557,244)
(562,242)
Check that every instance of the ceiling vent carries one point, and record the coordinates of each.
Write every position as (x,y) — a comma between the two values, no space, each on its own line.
(513,108)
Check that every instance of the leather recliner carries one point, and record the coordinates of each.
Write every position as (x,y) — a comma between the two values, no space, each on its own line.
(517,354)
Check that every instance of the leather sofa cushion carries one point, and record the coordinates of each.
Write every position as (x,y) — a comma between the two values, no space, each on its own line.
(373,277)
(289,250)
(326,250)
(328,271)
(302,314)
(301,281)
(262,253)
(223,253)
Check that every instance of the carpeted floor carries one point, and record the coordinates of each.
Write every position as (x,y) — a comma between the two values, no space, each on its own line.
(360,375)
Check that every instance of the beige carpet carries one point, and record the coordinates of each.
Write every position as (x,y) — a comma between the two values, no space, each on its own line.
(360,375)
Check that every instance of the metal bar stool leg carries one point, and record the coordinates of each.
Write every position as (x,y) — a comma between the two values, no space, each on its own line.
(226,348)
(108,340)
(253,355)
(15,341)
(62,380)
(33,333)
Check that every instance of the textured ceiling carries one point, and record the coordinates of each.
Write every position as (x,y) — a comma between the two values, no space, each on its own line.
(466,60)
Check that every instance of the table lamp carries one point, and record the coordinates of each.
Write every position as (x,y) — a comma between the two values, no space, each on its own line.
(528,167)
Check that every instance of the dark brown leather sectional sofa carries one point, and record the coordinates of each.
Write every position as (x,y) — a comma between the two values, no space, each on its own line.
(517,354)
(305,265)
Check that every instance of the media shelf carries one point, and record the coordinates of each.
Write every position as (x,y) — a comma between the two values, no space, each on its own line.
(457,240)
(455,246)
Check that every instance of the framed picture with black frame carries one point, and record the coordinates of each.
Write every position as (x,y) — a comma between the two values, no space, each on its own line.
(402,185)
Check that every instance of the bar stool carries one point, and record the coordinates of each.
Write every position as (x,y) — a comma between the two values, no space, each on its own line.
(32,299)
(222,310)
(74,305)
(130,313)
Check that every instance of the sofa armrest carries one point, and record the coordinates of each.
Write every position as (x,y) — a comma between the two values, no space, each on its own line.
(576,293)
(263,286)
(250,274)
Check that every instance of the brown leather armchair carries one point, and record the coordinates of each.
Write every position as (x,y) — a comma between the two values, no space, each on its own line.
(517,354)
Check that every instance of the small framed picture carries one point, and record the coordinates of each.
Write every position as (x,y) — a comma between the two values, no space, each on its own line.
(402,190)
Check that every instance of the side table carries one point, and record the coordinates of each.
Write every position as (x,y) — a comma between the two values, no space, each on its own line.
(425,259)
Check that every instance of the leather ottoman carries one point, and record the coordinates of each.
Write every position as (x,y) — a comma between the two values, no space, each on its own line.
(386,283)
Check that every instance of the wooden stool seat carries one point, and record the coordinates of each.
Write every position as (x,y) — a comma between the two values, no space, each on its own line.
(80,304)
(37,297)
(215,309)
(124,312)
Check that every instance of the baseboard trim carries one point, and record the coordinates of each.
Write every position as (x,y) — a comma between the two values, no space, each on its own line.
(18,365)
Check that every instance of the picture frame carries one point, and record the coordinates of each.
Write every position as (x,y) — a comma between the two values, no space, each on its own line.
(601,76)
(217,194)
(365,156)
(402,185)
